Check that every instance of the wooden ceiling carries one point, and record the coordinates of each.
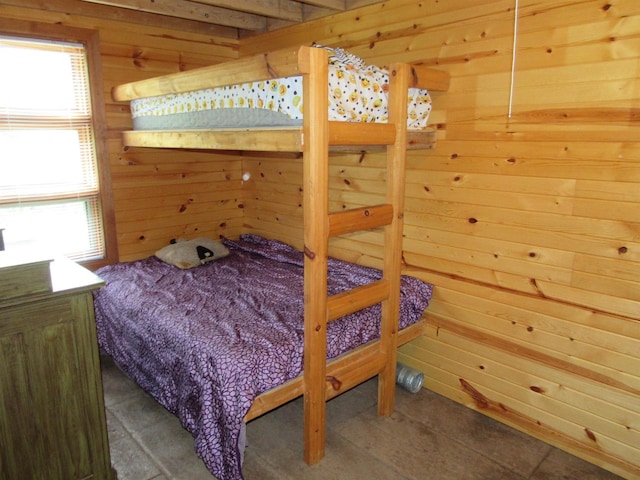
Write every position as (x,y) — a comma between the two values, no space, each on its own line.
(246,17)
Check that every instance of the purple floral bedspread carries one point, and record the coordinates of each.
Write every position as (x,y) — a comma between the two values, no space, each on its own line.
(205,342)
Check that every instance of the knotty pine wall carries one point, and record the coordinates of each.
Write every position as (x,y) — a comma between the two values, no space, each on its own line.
(529,226)
(158,194)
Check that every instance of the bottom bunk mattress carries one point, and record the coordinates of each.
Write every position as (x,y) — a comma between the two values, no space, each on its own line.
(205,341)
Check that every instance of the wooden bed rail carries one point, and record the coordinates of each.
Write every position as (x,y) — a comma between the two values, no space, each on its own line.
(347,368)
(277,64)
(429,78)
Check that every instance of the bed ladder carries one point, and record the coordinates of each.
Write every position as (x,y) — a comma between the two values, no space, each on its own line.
(320,225)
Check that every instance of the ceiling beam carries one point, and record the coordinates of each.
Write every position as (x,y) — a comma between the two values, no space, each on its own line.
(192,11)
(339,5)
(227,18)
(92,10)
(280,9)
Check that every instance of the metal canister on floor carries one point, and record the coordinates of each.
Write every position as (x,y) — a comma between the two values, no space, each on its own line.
(409,378)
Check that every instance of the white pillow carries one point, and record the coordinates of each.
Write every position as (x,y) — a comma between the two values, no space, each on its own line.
(192,253)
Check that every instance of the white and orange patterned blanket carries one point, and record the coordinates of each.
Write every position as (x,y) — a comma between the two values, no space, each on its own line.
(357,93)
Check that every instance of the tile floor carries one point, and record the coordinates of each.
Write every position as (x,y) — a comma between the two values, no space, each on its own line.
(428,437)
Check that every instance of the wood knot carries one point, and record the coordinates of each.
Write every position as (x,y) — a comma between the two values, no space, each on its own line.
(480,400)
(335,383)
(308,253)
(270,69)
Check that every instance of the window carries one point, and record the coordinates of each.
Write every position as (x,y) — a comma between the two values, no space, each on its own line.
(50,197)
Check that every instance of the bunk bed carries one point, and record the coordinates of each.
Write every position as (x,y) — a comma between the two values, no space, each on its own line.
(314,136)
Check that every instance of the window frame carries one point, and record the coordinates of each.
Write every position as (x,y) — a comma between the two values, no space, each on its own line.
(91,41)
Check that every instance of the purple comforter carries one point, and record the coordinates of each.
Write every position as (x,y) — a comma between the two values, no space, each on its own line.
(205,342)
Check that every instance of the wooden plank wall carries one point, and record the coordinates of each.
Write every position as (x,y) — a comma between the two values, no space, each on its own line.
(158,195)
(528,225)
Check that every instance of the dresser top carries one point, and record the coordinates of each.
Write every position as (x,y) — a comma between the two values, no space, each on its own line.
(24,276)
(18,257)
(67,275)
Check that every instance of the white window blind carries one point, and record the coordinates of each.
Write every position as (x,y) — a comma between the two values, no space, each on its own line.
(49,189)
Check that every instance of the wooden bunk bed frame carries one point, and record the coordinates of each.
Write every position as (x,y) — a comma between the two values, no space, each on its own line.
(321,380)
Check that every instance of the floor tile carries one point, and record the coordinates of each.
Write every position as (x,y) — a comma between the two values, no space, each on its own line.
(140,411)
(343,460)
(116,385)
(428,436)
(518,452)
(172,447)
(560,465)
(131,461)
(419,452)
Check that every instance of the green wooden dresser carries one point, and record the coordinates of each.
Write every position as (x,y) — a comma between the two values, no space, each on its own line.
(52,417)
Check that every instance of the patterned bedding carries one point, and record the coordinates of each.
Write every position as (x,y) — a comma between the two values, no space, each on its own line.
(357,93)
(205,342)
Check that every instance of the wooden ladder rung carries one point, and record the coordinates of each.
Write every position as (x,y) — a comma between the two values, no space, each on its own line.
(356,299)
(359,133)
(357,219)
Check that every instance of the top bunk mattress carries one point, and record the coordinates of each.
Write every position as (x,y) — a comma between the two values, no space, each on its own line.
(357,92)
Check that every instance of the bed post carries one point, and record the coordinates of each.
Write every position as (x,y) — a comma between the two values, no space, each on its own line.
(399,79)
(316,229)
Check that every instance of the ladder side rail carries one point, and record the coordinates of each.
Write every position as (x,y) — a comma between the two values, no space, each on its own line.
(316,228)
(400,76)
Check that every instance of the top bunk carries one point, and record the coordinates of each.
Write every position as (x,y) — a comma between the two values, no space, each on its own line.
(266,102)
